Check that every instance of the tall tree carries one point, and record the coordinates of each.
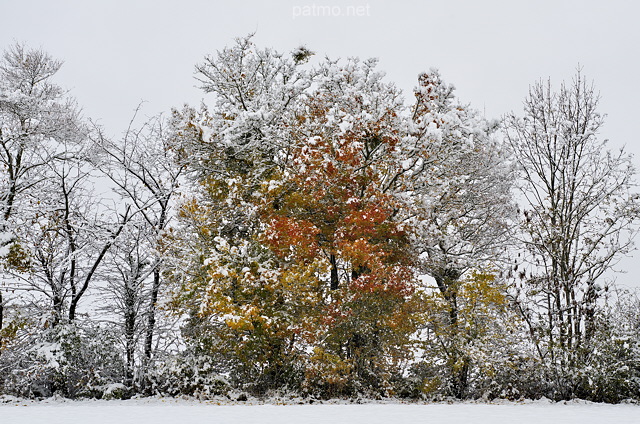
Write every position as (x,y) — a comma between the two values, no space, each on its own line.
(458,201)
(337,206)
(231,149)
(580,215)
(36,118)
(146,175)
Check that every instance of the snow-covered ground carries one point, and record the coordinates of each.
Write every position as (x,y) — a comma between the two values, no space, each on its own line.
(160,411)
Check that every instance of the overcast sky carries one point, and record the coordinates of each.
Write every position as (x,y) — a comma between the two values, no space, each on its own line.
(120,52)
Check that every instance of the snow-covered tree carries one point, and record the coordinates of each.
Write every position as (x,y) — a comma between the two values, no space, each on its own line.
(579,217)
(231,149)
(68,238)
(458,202)
(335,212)
(145,175)
(37,117)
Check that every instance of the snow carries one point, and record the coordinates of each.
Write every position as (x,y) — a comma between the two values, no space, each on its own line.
(49,352)
(5,239)
(160,411)
(345,126)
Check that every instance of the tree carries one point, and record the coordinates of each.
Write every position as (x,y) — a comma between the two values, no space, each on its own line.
(66,233)
(230,150)
(472,355)
(579,218)
(296,211)
(336,207)
(36,117)
(146,175)
(458,202)
(69,239)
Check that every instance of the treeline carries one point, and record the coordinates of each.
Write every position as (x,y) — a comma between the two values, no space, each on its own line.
(308,233)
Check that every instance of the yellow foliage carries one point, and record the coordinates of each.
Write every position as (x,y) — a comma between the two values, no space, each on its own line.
(480,290)
(18,258)
(329,372)
(9,332)
(431,385)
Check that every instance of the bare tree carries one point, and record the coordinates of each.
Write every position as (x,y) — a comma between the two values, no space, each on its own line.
(69,238)
(127,293)
(579,217)
(146,176)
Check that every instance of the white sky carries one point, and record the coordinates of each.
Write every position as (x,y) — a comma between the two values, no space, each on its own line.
(120,52)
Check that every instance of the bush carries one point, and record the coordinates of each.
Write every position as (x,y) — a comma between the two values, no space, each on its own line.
(66,360)
(186,374)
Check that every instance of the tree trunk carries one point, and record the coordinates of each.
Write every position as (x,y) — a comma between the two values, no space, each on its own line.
(57,310)
(1,320)
(461,378)
(334,272)
(151,320)
(1,313)
(129,334)
(447,282)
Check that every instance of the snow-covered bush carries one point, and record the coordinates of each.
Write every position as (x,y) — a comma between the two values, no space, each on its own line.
(65,360)
(186,374)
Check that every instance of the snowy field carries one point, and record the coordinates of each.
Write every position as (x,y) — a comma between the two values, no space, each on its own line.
(161,411)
